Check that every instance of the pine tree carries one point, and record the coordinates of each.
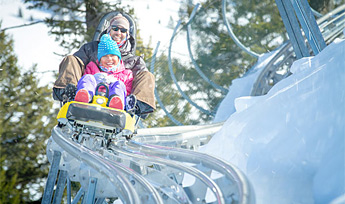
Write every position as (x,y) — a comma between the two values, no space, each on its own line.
(215,54)
(74,22)
(256,24)
(26,121)
(172,100)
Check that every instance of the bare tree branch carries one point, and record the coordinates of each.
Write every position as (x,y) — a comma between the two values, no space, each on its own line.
(19,26)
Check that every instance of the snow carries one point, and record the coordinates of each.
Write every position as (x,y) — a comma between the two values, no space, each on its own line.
(32,44)
(153,19)
(290,142)
(241,87)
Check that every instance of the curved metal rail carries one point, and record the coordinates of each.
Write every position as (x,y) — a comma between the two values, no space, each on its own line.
(331,26)
(187,137)
(207,163)
(156,93)
(197,68)
(269,76)
(233,36)
(167,163)
(138,173)
(119,176)
(175,80)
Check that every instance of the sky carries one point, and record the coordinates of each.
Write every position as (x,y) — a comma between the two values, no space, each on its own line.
(289,142)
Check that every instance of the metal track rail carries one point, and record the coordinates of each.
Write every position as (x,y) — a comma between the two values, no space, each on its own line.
(205,180)
(187,137)
(120,178)
(142,173)
(232,178)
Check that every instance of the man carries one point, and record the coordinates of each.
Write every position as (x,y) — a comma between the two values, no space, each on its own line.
(72,67)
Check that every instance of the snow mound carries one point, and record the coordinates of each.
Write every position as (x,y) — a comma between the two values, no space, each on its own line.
(290,142)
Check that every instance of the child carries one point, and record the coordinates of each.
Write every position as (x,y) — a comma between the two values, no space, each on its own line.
(107,69)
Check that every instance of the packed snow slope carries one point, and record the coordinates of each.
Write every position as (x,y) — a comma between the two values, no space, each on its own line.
(290,142)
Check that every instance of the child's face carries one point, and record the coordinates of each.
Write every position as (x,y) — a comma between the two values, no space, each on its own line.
(109,60)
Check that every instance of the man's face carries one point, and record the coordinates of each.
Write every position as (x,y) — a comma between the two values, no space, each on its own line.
(118,34)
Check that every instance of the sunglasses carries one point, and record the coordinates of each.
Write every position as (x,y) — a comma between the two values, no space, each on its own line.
(115,28)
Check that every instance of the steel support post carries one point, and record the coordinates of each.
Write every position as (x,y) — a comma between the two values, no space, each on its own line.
(60,187)
(288,10)
(69,191)
(52,175)
(292,27)
(309,25)
(90,193)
